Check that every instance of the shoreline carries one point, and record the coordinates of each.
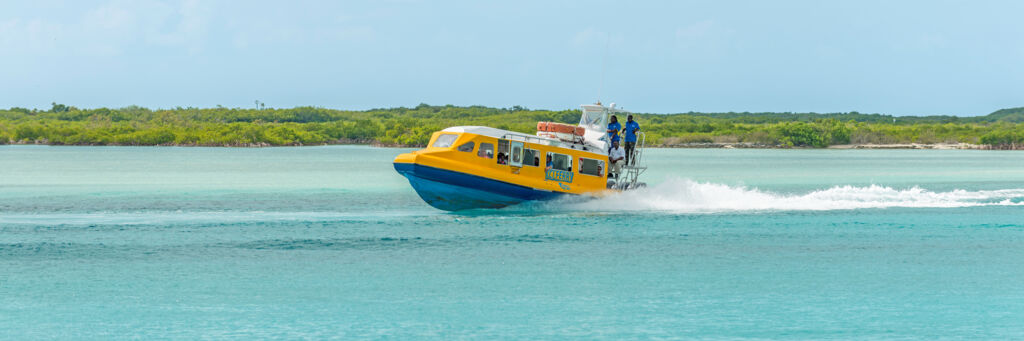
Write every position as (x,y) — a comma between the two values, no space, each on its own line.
(703,145)
(938,146)
(232,145)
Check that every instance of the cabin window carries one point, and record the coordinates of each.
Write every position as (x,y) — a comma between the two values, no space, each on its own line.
(515,158)
(591,167)
(445,140)
(502,152)
(560,162)
(486,150)
(466,147)
(531,158)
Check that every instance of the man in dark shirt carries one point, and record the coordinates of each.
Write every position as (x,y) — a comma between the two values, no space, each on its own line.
(613,131)
(630,130)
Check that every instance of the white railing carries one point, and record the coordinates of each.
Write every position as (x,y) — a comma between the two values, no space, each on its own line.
(526,138)
(634,167)
(636,157)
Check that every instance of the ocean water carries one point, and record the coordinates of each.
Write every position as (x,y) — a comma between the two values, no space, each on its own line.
(329,242)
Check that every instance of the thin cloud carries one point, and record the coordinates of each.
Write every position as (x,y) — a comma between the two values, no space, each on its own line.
(695,30)
(592,38)
(110,29)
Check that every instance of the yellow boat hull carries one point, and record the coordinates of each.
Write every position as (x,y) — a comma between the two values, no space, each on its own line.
(453,179)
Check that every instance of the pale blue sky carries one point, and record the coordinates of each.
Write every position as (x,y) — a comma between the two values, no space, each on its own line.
(896,57)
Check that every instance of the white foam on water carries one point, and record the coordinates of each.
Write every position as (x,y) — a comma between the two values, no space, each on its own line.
(687,196)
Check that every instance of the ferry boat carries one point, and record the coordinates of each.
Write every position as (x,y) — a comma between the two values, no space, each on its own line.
(469,167)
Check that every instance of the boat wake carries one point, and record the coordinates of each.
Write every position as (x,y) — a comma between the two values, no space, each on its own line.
(687,196)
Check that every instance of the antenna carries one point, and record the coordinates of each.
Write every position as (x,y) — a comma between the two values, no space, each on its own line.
(604,65)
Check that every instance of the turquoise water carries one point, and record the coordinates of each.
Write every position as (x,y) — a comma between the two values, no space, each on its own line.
(329,242)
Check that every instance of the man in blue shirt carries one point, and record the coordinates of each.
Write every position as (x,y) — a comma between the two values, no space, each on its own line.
(630,130)
(613,130)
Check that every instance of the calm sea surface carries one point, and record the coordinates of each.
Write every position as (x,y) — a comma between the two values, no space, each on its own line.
(329,242)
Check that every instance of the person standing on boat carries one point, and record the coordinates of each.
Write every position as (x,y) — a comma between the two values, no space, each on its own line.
(630,130)
(615,157)
(613,130)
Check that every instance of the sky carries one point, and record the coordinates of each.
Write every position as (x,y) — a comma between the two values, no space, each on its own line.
(892,57)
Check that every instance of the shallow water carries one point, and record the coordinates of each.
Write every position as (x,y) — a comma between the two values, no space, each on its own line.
(316,242)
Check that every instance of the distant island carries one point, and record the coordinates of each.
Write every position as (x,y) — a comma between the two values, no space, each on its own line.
(238,127)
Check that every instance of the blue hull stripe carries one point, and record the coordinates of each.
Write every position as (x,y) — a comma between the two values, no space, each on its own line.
(454,191)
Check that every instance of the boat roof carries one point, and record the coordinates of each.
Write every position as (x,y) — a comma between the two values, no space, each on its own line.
(598,107)
(506,134)
(485,131)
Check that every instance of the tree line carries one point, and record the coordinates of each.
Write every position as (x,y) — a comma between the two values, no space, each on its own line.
(220,126)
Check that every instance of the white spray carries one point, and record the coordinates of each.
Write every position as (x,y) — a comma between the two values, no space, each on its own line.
(687,196)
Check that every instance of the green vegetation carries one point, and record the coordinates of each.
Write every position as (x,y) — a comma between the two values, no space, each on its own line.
(68,125)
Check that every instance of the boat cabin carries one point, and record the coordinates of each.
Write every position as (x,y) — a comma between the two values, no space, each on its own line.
(521,159)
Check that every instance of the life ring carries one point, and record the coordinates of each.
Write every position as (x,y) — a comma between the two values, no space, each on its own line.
(563,128)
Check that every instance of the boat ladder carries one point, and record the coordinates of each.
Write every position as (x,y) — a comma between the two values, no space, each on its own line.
(634,167)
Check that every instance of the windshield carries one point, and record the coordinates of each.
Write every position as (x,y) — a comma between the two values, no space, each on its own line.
(445,141)
(593,120)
